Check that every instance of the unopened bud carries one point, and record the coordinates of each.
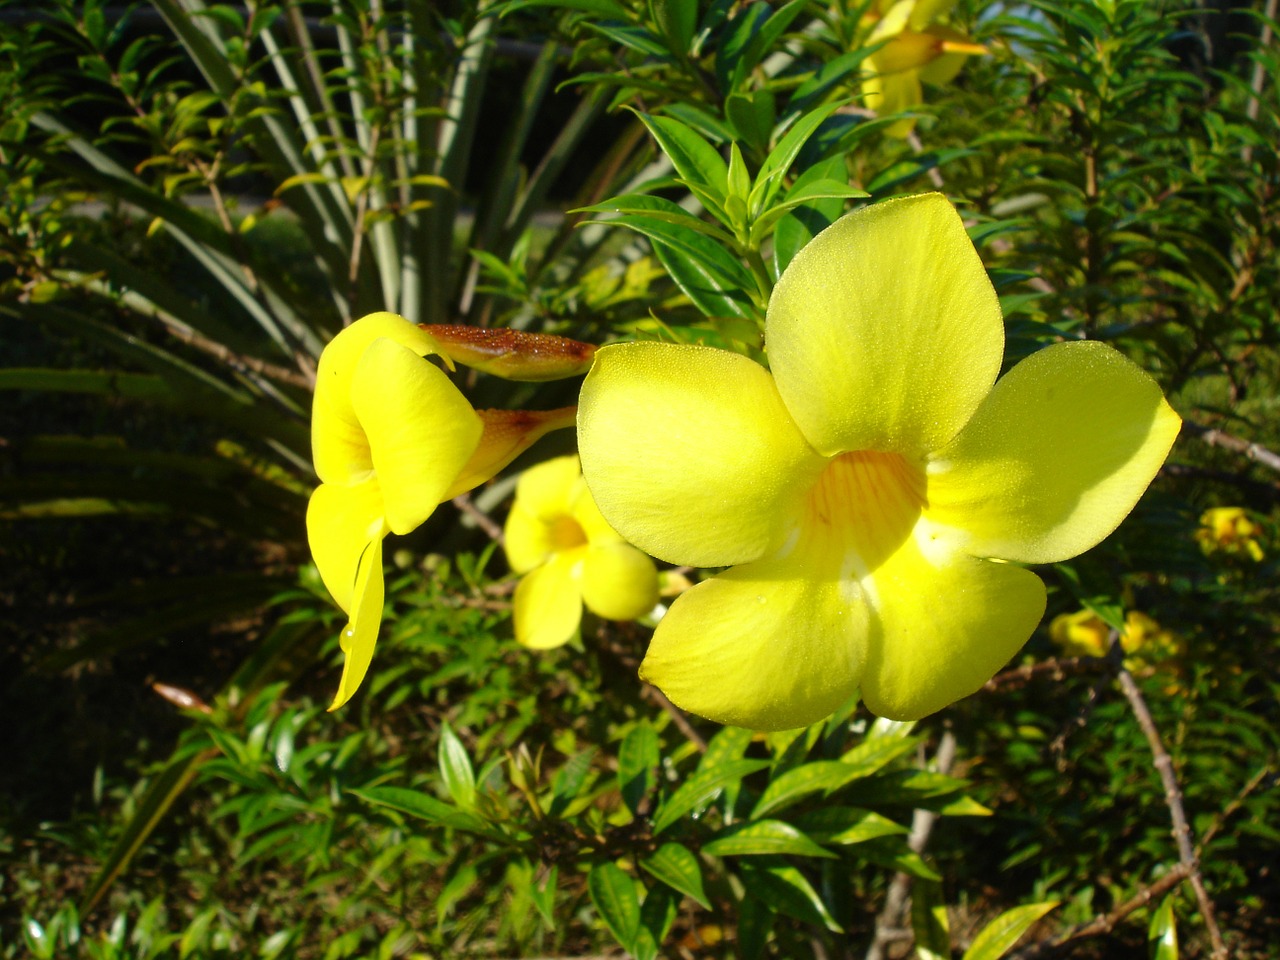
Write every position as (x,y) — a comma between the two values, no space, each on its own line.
(512,354)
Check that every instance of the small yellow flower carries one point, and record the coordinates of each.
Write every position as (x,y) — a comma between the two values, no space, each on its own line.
(569,556)
(870,488)
(1085,634)
(1230,530)
(914,50)
(1080,634)
(392,437)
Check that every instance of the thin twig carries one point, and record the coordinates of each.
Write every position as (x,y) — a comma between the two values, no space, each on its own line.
(1113,660)
(1173,799)
(653,694)
(481,519)
(1104,924)
(1055,668)
(1229,810)
(1216,438)
(889,922)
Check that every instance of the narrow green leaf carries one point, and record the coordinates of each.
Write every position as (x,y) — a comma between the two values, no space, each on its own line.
(164,789)
(614,894)
(657,914)
(762,837)
(997,937)
(569,779)
(929,921)
(874,753)
(1162,933)
(658,208)
(677,19)
(456,770)
(696,161)
(785,889)
(638,760)
(769,179)
(729,744)
(678,868)
(821,776)
(707,287)
(847,825)
(423,806)
(700,788)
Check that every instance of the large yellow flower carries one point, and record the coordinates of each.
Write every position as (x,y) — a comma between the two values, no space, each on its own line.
(392,437)
(913,50)
(870,491)
(569,556)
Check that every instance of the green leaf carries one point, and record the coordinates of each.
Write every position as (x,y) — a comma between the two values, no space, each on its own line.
(163,790)
(658,208)
(752,117)
(456,770)
(614,894)
(700,788)
(806,221)
(569,779)
(929,921)
(638,760)
(678,868)
(608,9)
(656,916)
(1162,933)
(708,290)
(759,837)
(423,806)
(847,825)
(785,889)
(677,19)
(799,782)
(698,163)
(997,937)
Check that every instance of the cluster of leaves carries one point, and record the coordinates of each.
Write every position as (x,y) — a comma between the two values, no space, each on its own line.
(476,800)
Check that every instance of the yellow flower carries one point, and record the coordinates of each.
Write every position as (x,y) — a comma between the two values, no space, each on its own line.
(569,556)
(1229,530)
(870,489)
(392,437)
(914,50)
(1080,634)
(1085,634)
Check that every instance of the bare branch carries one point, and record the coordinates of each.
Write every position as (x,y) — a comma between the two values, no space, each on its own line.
(1173,799)
(890,920)
(1216,438)
(1105,923)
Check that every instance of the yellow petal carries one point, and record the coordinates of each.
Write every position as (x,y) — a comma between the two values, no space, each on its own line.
(507,434)
(764,646)
(944,623)
(548,603)
(527,540)
(926,11)
(341,521)
(1055,458)
(549,489)
(421,430)
(689,452)
(892,93)
(361,634)
(618,581)
(589,518)
(884,333)
(338,441)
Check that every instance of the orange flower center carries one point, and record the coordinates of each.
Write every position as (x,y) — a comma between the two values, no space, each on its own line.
(863,508)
